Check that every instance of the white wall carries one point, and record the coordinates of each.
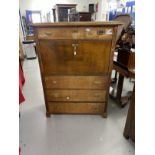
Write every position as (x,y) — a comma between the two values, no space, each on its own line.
(104,9)
(46,6)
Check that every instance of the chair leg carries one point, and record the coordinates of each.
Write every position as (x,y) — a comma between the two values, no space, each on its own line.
(114,80)
(119,89)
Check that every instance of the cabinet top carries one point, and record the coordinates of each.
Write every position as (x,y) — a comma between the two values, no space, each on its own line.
(74,24)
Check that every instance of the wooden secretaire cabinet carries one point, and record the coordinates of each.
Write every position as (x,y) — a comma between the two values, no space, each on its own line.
(75,60)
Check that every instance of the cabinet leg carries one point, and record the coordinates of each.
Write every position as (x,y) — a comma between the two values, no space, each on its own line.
(114,80)
(126,136)
(104,115)
(48,114)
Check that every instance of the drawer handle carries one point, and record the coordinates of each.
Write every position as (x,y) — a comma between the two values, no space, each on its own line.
(75,31)
(87,30)
(54,82)
(48,33)
(100,32)
(97,82)
(67,97)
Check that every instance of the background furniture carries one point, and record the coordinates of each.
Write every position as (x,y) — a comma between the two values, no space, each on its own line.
(92,8)
(54,14)
(80,16)
(129,130)
(125,66)
(63,10)
(76,61)
(126,20)
(29,46)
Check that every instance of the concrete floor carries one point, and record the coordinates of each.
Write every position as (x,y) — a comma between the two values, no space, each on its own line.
(68,134)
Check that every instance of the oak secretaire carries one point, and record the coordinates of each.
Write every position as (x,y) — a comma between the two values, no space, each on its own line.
(75,61)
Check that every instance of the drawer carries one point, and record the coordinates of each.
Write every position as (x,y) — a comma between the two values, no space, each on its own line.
(55,33)
(76,82)
(95,33)
(68,57)
(81,108)
(75,33)
(76,95)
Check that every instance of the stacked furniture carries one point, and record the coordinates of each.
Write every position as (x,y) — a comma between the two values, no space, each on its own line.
(75,61)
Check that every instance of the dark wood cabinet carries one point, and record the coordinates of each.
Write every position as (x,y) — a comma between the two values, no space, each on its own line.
(63,10)
(76,61)
(129,130)
(80,16)
(126,58)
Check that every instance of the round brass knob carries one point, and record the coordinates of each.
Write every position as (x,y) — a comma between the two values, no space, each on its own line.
(67,97)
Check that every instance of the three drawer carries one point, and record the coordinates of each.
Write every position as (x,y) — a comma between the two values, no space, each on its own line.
(76,95)
(74,108)
(76,82)
(75,33)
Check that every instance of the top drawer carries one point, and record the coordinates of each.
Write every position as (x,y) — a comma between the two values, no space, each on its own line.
(76,33)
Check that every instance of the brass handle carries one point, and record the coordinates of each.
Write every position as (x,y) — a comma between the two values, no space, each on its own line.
(88,30)
(97,82)
(100,32)
(48,33)
(74,50)
(75,31)
(67,97)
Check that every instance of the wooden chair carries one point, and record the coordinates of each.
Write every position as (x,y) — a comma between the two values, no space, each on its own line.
(126,20)
(123,59)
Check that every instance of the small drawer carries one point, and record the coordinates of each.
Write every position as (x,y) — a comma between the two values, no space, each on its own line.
(76,82)
(95,33)
(76,108)
(55,33)
(75,33)
(76,95)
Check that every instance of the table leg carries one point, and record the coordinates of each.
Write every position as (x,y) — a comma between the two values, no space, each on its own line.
(119,89)
(114,80)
